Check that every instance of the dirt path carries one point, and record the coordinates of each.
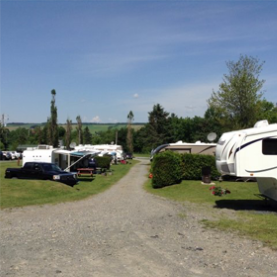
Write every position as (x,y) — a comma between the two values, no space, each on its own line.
(124,232)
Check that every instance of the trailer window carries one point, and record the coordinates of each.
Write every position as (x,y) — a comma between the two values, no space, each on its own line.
(270,146)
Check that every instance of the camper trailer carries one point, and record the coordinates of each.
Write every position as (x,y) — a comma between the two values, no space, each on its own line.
(184,147)
(41,153)
(65,159)
(103,149)
(251,153)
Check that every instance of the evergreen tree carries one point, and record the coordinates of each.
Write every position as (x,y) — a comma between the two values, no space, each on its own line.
(158,126)
(87,136)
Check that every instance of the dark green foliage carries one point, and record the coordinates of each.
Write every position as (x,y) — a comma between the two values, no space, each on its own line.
(52,122)
(166,169)
(240,92)
(103,162)
(87,136)
(193,163)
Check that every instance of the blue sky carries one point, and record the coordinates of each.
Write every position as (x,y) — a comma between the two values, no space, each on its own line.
(106,58)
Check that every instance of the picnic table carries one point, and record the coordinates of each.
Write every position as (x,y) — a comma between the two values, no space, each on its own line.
(85,171)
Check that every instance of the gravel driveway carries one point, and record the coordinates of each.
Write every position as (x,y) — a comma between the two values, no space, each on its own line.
(124,231)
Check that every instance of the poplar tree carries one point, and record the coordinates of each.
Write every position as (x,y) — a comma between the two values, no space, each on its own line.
(79,129)
(129,132)
(52,125)
(68,133)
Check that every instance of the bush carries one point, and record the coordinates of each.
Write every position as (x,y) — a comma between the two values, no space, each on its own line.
(192,165)
(103,162)
(166,169)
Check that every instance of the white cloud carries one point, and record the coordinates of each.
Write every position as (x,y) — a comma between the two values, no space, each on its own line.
(96,119)
(136,95)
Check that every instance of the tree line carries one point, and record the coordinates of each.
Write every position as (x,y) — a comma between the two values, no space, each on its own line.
(238,104)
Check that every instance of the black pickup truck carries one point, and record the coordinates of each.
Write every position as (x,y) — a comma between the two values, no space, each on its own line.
(43,171)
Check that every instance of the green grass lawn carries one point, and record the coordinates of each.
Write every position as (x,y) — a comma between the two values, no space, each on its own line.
(142,155)
(19,192)
(252,216)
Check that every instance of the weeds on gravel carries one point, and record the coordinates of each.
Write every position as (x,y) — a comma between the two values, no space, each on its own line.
(20,192)
(251,216)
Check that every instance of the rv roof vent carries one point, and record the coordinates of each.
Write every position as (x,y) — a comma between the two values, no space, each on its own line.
(261,123)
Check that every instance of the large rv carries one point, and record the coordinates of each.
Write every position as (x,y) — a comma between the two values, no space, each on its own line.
(184,147)
(103,149)
(251,153)
(65,159)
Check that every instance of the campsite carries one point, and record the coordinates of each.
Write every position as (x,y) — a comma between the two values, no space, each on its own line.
(130,220)
(138,138)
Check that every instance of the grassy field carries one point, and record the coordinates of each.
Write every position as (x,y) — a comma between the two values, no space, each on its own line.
(18,192)
(251,217)
(141,155)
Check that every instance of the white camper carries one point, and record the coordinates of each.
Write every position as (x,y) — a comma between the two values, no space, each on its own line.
(103,149)
(184,147)
(251,153)
(41,153)
(65,159)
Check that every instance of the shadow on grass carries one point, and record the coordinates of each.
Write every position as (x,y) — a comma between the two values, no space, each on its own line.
(85,179)
(247,205)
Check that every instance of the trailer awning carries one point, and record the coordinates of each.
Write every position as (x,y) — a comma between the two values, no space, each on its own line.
(84,153)
(62,151)
(81,155)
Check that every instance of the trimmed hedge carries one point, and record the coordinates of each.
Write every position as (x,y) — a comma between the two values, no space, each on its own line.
(169,168)
(193,164)
(103,162)
(166,169)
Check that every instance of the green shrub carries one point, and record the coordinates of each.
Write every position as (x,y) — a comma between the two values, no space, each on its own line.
(166,169)
(103,162)
(192,165)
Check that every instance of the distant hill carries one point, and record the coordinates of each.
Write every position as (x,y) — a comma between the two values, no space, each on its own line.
(93,127)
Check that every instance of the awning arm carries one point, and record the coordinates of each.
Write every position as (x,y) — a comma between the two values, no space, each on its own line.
(77,161)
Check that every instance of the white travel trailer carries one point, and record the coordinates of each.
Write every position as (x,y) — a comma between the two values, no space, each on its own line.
(184,147)
(41,153)
(103,149)
(65,159)
(251,153)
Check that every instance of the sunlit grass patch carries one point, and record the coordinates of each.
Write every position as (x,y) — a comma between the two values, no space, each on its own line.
(21,192)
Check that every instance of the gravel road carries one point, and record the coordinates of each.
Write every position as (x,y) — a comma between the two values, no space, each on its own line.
(124,231)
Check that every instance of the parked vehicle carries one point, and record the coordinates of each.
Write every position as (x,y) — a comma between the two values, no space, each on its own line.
(103,149)
(14,155)
(7,155)
(185,147)
(1,155)
(128,156)
(65,159)
(42,171)
(251,153)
